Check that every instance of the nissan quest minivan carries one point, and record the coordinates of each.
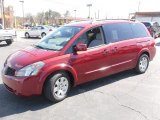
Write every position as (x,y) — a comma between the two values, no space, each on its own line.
(77,53)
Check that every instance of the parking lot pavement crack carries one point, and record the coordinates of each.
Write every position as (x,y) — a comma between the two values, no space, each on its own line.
(139,82)
(125,106)
(135,111)
(130,108)
(99,92)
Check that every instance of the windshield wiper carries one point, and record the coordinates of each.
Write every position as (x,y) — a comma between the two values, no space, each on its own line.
(39,47)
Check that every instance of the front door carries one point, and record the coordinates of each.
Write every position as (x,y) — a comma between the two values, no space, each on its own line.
(93,63)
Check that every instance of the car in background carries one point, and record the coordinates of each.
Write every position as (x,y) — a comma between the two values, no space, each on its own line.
(38,31)
(153,28)
(52,28)
(7,35)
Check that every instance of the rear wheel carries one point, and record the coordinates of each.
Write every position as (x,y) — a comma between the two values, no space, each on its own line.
(9,42)
(142,63)
(57,87)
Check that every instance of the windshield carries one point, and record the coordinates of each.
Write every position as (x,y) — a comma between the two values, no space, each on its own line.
(58,39)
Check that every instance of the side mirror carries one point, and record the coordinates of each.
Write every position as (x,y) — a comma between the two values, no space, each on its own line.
(81,47)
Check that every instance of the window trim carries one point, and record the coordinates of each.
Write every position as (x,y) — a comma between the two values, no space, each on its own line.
(103,38)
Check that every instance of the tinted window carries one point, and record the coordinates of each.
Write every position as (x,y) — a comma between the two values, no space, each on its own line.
(117,32)
(139,30)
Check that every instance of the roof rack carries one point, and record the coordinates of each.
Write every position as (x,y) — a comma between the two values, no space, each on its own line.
(96,20)
(114,19)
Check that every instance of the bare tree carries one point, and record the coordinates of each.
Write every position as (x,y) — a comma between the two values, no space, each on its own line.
(40,18)
(30,19)
(48,17)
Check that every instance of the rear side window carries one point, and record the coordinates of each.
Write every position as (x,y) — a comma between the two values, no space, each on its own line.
(139,30)
(117,32)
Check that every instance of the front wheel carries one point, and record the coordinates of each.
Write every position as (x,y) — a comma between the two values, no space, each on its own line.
(57,87)
(43,34)
(9,42)
(27,35)
(142,64)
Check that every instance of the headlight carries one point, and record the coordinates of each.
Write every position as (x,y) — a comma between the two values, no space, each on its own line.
(30,70)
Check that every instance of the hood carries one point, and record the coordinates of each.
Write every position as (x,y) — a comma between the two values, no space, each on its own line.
(28,56)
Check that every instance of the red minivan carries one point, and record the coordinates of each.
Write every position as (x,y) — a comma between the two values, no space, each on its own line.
(77,53)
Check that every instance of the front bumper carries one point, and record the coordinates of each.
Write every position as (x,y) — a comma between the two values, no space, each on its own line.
(26,86)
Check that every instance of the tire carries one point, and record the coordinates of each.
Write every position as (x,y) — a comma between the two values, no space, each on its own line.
(27,35)
(57,87)
(9,42)
(43,34)
(142,64)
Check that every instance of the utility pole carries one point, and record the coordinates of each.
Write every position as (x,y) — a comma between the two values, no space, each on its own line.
(22,11)
(3,13)
(75,13)
(89,6)
(98,14)
(139,4)
(95,16)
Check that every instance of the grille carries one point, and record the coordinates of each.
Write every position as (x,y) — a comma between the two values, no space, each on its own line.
(10,71)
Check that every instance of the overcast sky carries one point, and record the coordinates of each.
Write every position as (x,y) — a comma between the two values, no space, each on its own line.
(109,8)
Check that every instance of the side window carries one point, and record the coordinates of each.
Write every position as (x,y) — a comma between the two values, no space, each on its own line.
(139,30)
(42,28)
(34,28)
(117,32)
(93,38)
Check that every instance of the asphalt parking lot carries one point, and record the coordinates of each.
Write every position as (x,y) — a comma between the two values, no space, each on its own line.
(124,96)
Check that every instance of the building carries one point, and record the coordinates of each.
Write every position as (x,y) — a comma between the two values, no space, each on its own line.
(1,12)
(146,16)
(9,17)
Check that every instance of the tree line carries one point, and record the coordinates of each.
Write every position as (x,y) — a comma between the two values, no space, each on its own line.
(44,17)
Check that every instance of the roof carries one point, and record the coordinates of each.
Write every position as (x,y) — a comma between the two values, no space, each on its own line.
(98,22)
(148,13)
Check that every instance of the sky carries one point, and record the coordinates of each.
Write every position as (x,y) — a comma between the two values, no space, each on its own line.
(109,8)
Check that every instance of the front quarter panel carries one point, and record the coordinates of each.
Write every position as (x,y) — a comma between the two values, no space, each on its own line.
(58,64)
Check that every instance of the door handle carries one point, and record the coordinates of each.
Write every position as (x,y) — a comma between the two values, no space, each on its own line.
(105,52)
(114,50)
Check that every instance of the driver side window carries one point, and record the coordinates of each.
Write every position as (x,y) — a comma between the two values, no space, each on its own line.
(93,38)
